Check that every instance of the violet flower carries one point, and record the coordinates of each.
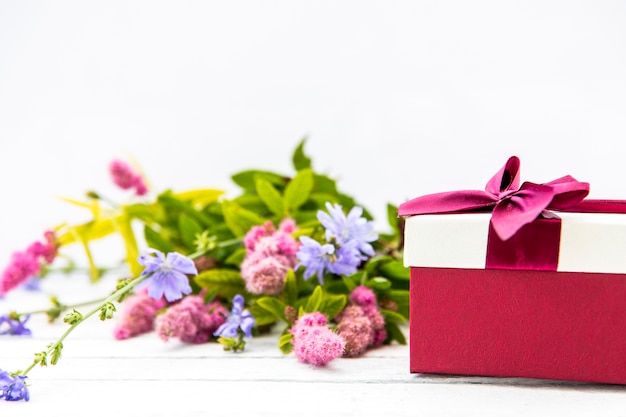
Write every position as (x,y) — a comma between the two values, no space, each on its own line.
(344,229)
(13,326)
(239,318)
(167,275)
(317,259)
(13,388)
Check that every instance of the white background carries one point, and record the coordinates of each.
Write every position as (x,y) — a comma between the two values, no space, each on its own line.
(398,98)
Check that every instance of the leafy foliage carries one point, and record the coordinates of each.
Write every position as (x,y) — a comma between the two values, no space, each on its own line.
(208,226)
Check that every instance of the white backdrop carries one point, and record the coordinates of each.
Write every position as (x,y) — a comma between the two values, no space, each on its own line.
(398,98)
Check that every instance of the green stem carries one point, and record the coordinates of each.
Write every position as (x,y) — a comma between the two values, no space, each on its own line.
(61,307)
(223,244)
(59,342)
(54,349)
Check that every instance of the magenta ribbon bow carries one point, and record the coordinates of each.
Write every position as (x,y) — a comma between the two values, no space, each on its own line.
(513,206)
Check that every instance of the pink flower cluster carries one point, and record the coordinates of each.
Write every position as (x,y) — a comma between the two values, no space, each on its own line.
(27,264)
(138,315)
(313,342)
(125,177)
(191,320)
(270,253)
(361,324)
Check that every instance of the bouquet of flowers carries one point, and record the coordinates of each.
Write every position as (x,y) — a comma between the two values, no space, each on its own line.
(290,250)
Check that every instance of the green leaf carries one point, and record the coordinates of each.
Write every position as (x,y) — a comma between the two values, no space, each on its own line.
(300,160)
(270,196)
(144,212)
(358,278)
(228,282)
(236,258)
(319,200)
(239,220)
(91,230)
(394,333)
(315,300)
(219,276)
(262,317)
(373,264)
(189,230)
(156,241)
(284,343)
(125,229)
(298,189)
(200,198)
(291,288)
(247,179)
(379,283)
(392,316)
(325,185)
(402,299)
(395,270)
(393,219)
(274,306)
(172,204)
(333,304)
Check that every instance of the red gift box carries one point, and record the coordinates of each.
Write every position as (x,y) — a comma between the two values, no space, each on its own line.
(516,281)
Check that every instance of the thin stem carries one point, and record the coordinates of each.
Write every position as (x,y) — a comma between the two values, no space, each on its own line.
(56,345)
(54,349)
(223,244)
(61,307)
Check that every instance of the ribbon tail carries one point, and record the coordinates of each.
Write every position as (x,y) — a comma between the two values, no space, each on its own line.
(567,192)
(447,202)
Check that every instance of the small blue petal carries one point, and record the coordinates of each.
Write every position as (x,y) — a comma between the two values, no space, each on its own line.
(13,388)
(167,274)
(239,318)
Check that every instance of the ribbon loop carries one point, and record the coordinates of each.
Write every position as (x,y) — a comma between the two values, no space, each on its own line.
(512,206)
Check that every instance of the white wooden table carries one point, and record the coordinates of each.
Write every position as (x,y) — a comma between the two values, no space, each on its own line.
(144,376)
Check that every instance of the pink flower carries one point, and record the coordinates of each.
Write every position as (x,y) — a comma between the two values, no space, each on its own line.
(366,299)
(125,177)
(363,296)
(282,242)
(313,342)
(256,233)
(311,319)
(288,226)
(264,275)
(191,320)
(22,266)
(270,253)
(361,324)
(26,264)
(357,331)
(137,316)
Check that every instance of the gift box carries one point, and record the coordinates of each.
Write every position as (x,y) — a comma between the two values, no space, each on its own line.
(518,281)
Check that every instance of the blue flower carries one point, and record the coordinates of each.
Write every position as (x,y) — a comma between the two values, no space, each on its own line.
(14,326)
(239,318)
(13,388)
(317,259)
(33,284)
(344,229)
(167,275)
(347,259)
(314,257)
